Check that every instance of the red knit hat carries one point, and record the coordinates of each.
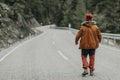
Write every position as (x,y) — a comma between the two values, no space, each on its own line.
(89,17)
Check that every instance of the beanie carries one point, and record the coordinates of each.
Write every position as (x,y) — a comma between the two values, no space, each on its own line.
(89,17)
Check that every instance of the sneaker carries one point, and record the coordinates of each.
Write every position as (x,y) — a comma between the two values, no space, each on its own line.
(85,73)
(91,73)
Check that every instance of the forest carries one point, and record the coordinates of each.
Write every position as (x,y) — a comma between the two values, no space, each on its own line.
(62,12)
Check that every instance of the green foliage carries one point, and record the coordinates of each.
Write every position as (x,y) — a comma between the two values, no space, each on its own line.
(107,14)
(59,12)
(2,0)
(63,12)
(73,12)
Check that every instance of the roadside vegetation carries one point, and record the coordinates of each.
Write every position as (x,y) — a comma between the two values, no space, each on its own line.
(18,17)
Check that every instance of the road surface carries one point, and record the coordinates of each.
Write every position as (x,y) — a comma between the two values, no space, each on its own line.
(54,56)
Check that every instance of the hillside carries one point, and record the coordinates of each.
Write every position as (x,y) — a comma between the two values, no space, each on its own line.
(14,24)
(17,17)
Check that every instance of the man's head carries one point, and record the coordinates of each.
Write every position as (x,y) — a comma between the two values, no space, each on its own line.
(89,17)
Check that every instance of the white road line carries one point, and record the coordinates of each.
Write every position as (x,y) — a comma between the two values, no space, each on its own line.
(9,53)
(19,46)
(61,54)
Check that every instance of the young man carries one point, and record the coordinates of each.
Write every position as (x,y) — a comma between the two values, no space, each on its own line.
(90,36)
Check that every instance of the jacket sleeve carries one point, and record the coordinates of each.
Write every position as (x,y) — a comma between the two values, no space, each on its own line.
(99,34)
(79,34)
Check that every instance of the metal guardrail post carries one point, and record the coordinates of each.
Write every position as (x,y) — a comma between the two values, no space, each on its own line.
(107,41)
(114,41)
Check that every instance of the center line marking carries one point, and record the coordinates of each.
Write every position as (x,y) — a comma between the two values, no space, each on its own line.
(61,54)
(19,45)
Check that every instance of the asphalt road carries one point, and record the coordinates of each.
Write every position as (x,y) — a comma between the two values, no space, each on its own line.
(54,56)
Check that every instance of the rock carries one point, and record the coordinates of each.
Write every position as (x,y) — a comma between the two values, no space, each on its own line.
(15,24)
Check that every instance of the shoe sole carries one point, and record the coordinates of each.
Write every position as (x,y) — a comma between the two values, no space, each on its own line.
(83,75)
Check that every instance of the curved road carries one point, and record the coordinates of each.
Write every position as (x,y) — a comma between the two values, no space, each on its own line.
(53,56)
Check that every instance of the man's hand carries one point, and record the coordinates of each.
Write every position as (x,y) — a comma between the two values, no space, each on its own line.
(76,43)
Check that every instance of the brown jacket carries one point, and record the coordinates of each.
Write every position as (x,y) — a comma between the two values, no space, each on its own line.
(90,36)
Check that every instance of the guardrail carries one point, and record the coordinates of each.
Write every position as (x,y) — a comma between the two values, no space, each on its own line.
(111,39)
(104,35)
(107,38)
(111,36)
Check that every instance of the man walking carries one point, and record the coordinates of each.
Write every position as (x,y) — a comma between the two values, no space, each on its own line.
(90,36)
